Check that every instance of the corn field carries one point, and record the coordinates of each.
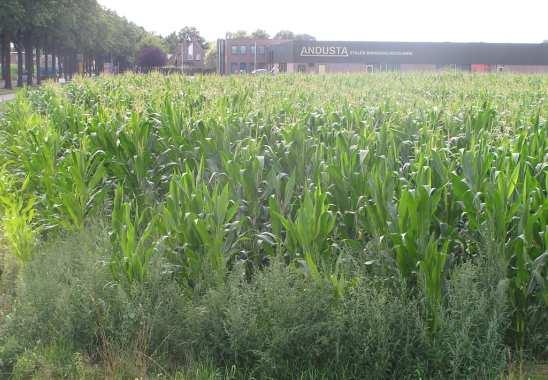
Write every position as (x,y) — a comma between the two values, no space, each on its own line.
(412,174)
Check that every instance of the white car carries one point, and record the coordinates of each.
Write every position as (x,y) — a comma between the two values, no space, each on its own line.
(259,71)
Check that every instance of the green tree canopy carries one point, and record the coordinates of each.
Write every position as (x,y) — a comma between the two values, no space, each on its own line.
(284,35)
(289,35)
(191,33)
(260,33)
(69,29)
(237,34)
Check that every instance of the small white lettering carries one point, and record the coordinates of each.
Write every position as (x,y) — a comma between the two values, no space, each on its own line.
(389,53)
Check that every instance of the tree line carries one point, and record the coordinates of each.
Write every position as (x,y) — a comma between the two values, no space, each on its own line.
(62,34)
(281,35)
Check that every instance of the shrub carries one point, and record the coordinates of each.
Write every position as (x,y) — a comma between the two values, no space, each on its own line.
(151,56)
(53,362)
(470,340)
(383,332)
(66,294)
(281,324)
(69,314)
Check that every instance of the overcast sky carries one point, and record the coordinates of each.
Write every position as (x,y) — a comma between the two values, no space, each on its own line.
(361,20)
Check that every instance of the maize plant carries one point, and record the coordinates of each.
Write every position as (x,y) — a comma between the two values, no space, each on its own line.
(82,188)
(20,227)
(199,226)
(308,234)
(133,238)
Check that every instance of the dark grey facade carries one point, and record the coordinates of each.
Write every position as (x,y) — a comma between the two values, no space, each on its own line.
(410,53)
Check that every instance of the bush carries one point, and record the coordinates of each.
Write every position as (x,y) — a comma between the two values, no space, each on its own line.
(71,319)
(282,324)
(470,341)
(383,334)
(151,56)
(53,362)
(66,294)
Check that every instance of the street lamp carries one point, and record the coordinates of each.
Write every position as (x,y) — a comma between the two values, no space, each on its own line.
(183,56)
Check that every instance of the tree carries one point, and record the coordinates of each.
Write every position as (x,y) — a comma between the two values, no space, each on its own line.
(289,35)
(152,40)
(260,33)
(237,35)
(210,62)
(285,35)
(190,34)
(37,24)
(304,37)
(11,14)
(80,34)
(171,41)
(150,57)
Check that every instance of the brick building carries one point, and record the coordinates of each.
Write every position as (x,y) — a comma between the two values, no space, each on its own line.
(244,55)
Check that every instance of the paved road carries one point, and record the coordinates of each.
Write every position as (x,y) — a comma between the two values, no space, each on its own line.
(5,98)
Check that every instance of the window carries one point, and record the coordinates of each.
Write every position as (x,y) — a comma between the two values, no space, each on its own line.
(260,50)
(233,68)
(243,67)
(243,49)
(234,49)
(464,67)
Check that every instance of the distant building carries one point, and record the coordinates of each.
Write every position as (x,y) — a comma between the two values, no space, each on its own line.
(237,56)
(244,55)
(191,56)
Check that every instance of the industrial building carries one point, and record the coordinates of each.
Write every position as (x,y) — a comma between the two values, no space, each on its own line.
(247,55)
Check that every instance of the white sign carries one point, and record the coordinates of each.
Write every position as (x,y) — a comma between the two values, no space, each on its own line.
(324,51)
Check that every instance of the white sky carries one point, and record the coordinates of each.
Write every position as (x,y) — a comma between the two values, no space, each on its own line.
(360,20)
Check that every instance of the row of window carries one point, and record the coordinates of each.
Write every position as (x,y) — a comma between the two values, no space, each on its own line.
(244,67)
(245,49)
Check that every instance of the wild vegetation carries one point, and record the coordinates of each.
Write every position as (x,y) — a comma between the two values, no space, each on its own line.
(342,226)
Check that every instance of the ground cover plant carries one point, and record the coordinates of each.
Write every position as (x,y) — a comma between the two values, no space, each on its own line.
(341,226)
